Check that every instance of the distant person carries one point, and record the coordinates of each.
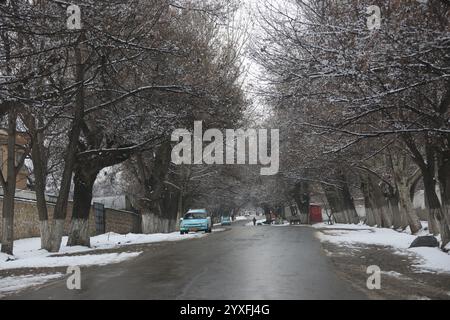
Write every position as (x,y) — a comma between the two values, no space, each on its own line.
(254,221)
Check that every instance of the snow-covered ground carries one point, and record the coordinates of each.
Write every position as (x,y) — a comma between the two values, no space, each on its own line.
(324,225)
(45,261)
(114,240)
(27,254)
(250,224)
(428,259)
(237,218)
(27,251)
(16,283)
(284,224)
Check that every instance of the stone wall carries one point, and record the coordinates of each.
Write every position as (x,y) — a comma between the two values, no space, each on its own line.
(26,220)
(122,222)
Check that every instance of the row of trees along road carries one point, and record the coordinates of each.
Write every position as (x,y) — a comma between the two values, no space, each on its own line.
(367,111)
(107,94)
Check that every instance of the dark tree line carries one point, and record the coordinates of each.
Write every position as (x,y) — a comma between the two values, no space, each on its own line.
(367,110)
(109,93)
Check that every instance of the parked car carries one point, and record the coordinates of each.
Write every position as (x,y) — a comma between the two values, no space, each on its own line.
(195,220)
(225,220)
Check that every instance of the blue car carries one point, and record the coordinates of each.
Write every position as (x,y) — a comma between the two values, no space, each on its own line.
(196,220)
(225,221)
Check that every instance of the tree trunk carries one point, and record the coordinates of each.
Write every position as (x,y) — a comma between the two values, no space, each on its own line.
(427,167)
(379,204)
(399,166)
(173,225)
(349,205)
(151,223)
(437,221)
(39,168)
(9,186)
(370,218)
(56,234)
(155,188)
(331,194)
(433,225)
(302,198)
(406,207)
(8,225)
(60,211)
(79,228)
(399,217)
(444,183)
(341,202)
(375,216)
(179,210)
(45,232)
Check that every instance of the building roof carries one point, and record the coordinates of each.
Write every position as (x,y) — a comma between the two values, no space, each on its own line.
(29,195)
(21,137)
(120,202)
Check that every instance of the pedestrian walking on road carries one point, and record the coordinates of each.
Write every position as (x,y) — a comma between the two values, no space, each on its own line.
(254,221)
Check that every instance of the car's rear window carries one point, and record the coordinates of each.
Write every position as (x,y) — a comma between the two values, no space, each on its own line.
(195,215)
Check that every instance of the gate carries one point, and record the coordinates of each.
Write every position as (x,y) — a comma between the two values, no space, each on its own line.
(99,210)
(315,213)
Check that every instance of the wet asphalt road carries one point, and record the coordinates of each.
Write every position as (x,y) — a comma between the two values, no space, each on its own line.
(263,262)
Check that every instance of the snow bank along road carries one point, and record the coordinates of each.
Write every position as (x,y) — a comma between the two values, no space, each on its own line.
(29,264)
(244,262)
(427,259)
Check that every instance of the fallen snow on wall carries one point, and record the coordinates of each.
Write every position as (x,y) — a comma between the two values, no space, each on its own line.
(16,283)
(428,259)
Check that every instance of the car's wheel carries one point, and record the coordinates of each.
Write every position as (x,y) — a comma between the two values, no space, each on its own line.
(181,232)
